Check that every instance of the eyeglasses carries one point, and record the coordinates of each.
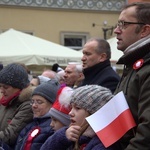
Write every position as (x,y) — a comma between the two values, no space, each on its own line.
(121,24)
(37,102)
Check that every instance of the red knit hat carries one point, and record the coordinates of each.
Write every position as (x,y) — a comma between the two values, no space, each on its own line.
(61,107)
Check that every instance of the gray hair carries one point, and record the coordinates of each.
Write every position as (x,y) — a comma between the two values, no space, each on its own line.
(103,46)
(78,66)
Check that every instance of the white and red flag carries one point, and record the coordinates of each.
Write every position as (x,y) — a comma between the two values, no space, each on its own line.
(113,120)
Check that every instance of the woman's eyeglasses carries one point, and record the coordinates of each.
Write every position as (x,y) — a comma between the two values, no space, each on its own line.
(37,102)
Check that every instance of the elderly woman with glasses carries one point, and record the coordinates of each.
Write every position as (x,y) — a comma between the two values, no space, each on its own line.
(35,133)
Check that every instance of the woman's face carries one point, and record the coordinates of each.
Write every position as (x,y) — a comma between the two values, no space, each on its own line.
(77,115)
(40,106)
(7,90)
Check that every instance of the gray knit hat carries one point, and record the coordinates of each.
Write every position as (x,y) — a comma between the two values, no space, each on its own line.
(91,97)
(48,90)
(14,75)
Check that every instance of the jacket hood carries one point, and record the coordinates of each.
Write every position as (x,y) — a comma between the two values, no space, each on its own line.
(89,132)
(26,94)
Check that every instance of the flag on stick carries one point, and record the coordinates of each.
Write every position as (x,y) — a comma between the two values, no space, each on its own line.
(113,120)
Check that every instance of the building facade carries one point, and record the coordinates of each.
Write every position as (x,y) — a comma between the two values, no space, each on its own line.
(66,22)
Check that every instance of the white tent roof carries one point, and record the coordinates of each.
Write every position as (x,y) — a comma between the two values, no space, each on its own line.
(16,46)
(115,53)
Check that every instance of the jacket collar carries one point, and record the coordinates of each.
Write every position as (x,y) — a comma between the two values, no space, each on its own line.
(140,43)
(89,132)
(96,68)
(135,51)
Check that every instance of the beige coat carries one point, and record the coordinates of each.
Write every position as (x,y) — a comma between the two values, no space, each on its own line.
(15,116)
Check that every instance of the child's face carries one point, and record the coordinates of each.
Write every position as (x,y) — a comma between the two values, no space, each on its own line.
(56,124)
(77,115)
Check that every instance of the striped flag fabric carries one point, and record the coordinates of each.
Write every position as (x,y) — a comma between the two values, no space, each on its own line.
(112,120)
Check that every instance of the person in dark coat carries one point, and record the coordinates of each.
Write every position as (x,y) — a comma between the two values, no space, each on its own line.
(35,133)
(133,39)
(96,64)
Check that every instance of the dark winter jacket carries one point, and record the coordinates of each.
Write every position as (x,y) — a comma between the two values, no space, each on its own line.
(15,116)
(43,125)
(101,74)
(135,84)
(89,141)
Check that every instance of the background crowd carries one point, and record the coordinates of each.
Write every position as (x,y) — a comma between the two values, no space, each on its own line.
(49,111)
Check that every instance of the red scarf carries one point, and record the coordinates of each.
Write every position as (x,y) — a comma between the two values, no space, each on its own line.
(5,102)
(82,147)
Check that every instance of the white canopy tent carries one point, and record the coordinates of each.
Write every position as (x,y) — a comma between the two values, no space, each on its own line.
(115,53)
(16,46)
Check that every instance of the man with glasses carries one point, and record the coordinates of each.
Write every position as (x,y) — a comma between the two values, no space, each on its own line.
(133,34)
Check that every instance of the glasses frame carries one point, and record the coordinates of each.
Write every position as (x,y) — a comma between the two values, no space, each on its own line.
(36,102)
(121,24)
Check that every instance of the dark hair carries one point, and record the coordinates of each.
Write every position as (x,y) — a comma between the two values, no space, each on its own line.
(55,67)
(142,11)
(1,67)
(103,46)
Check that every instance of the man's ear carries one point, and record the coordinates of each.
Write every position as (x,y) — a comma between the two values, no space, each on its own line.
(145,31)
(103,57)
(81,75)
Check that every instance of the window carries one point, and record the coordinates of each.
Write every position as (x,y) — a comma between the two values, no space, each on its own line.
(74,40)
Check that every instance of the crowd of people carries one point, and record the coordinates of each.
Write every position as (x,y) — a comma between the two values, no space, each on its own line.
(48,112)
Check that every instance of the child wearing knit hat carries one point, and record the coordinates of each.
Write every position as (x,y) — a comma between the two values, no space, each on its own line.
(61,108)
(85,101)
(60,111)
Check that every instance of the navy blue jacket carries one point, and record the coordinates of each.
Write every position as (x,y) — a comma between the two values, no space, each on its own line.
(58,141)
(43,124)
